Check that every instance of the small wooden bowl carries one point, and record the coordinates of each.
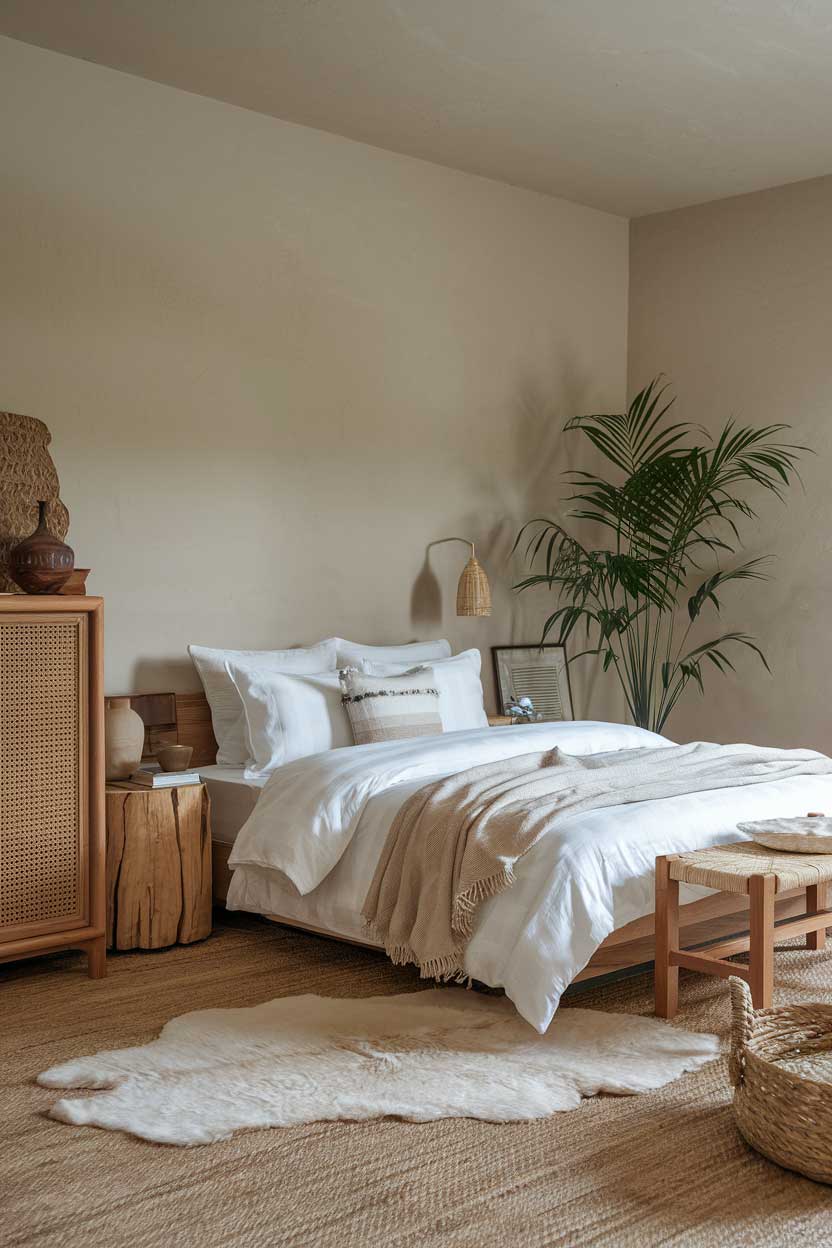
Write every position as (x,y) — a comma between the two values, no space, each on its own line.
(77,582)
(174,757)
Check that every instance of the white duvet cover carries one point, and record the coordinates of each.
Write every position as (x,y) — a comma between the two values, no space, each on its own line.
(310,848)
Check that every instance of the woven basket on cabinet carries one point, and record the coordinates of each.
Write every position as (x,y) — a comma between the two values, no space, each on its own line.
(781,1113)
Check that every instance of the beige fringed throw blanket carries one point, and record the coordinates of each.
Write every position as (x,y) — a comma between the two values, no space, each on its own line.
(455,842)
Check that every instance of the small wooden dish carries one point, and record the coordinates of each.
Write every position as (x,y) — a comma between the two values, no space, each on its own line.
(76,583)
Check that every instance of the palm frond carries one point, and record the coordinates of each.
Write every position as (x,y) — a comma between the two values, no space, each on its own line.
(633,438)
(751,570)
(676,498)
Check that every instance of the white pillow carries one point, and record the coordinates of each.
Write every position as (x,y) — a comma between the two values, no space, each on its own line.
(460,689)
(353,654)
(226,708)
(289,716)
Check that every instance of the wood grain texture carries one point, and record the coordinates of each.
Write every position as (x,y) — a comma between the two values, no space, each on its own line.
(731,868)
(176,719)
(96,948)
(694,932)
(815,901)
(194,727)
(707,965)
(716,917)
(666,977)
(761,890)
(157,711)
(158,866)
(770,916)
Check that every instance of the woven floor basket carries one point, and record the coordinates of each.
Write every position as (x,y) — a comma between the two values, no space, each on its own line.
(785,1115)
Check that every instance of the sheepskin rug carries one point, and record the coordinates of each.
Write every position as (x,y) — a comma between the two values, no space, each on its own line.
(440,1053)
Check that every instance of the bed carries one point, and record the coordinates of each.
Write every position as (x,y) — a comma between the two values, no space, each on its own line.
(536,939)
(233,798)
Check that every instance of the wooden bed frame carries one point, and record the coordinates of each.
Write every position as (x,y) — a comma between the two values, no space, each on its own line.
(185,718)
(713,918)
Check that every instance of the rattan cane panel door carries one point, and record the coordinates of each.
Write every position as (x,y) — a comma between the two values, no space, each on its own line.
(43,785)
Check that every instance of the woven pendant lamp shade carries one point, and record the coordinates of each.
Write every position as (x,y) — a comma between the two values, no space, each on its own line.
(473,594)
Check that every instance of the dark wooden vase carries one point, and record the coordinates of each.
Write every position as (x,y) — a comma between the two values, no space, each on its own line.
(40,564)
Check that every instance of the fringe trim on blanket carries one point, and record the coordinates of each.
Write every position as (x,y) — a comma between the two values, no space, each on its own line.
(466,904)
(448,967)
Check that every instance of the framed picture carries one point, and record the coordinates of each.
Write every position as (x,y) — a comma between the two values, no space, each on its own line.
(537,672)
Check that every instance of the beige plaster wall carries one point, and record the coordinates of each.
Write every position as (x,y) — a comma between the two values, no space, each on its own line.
(732,301)
(277,364)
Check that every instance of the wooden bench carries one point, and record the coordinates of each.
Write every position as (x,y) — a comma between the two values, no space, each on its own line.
(760,874)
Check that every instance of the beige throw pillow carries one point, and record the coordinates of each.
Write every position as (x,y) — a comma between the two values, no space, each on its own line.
(391,708)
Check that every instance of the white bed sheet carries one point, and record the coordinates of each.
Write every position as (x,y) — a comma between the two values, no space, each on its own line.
(592,873)
(233,798)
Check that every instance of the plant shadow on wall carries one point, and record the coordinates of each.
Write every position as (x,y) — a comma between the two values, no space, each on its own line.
(542,405)
(672,508)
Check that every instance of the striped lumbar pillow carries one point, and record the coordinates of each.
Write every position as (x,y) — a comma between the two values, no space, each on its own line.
(389,708)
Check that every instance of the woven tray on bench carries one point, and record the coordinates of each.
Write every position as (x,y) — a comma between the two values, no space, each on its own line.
(781,1069)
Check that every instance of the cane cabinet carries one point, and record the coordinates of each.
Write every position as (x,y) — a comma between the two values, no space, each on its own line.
(52,876)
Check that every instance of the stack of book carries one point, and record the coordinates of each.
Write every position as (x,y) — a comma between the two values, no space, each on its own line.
(151,776)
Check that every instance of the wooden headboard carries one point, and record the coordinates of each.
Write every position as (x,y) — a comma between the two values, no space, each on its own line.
(176,719)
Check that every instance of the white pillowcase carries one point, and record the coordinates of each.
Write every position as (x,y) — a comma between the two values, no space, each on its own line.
(289,716)
(353,654)
(460,688)
(226,708)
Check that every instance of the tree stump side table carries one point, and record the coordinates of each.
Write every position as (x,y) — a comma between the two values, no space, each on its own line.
(158,866)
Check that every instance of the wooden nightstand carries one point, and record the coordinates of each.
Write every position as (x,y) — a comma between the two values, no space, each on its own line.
(158,866)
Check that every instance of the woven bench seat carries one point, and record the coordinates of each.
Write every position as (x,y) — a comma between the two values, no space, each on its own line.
(748,869)
(730,867)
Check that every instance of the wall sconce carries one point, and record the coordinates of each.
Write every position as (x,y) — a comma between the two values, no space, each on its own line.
(473,593)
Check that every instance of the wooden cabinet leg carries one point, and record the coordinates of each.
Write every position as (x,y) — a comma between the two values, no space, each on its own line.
(816,900)
(666,977)
(761,942)
(96,952)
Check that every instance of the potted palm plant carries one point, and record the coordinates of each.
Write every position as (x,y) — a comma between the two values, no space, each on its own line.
(671,507)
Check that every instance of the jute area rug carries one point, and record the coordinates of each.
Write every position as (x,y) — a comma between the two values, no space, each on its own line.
(665,1167)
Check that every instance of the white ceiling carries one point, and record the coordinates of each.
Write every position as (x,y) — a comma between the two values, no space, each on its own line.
(632,106)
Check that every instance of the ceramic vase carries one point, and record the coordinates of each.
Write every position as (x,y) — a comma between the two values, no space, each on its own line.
(41,563)
(27,473)
(123,739)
